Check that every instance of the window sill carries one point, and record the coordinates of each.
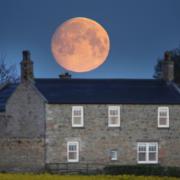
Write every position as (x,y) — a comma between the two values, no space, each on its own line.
(73,162)
(114,127)
(163,127)
(78,127)
(148,162)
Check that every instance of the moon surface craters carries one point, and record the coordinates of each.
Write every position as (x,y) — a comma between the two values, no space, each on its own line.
(80,45)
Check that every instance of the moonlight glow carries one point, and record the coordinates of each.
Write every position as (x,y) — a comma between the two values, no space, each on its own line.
(80,45)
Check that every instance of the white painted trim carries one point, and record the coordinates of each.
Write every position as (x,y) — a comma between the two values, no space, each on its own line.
(82,116)
(116,157)
(77,151)
(166,109)
(109,115)
(147,144)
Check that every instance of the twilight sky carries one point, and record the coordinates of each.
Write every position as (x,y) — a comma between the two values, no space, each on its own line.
(139,30)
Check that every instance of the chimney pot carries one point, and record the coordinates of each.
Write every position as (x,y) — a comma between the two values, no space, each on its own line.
(65,75)
(26,55)
(167,56)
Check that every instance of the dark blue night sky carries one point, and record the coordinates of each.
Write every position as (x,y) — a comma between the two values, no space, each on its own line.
(139,30)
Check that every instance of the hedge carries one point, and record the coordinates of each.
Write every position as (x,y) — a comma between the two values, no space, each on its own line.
(147,170)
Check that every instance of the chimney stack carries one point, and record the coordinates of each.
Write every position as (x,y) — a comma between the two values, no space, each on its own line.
(65,76)
(27,73)
(168,67)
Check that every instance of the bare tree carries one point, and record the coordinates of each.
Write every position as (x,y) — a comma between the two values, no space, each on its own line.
(7,73)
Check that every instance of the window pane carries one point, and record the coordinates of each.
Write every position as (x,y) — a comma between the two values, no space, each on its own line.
(142,156)
(152,156)
(114,120)
(163,121)
(72,147)
(77,112)
(163,113)
(72,155)
(76,120)
(113,112)
(152,147)
(142,148)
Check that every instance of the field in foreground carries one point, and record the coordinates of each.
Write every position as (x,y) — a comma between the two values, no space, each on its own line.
(76,177)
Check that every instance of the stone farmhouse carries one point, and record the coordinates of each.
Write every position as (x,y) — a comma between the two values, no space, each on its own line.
(71,123)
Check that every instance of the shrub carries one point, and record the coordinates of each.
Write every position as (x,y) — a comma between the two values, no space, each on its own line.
(150,170)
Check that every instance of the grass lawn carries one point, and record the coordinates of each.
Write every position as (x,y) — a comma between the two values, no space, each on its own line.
(76,177)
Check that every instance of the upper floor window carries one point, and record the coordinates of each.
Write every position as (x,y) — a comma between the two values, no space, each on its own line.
(147,153)
(77,116)
(114,116)
(163,117)
(73,151)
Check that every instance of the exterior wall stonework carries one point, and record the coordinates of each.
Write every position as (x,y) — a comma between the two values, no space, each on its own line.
(96,139)
(27,111)
(22,129)
(21,154)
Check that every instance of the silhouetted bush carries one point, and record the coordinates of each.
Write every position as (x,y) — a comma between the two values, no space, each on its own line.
(147,170)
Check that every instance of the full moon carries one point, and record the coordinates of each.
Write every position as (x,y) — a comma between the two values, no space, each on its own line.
(80,44)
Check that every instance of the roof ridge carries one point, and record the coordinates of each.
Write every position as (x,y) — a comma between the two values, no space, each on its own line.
(3,85)
(97,79)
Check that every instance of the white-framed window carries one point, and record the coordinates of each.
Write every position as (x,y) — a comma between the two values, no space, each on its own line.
(73,151)
(114,116)
(163,117)
(113,155)
(77,116)
(147,153)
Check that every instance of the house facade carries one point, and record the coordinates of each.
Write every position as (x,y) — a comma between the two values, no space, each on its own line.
(88,123)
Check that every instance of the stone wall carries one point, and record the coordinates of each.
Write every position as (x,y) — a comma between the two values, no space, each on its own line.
(138,123)
(21,154)
(4,121)
(22,130)
(27,109)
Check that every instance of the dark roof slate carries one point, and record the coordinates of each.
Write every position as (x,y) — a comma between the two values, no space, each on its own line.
(100,91)
(107,91)
(5,93)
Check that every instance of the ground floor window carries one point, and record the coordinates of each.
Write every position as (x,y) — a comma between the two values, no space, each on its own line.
(73,151)
(113,155)
(147,153)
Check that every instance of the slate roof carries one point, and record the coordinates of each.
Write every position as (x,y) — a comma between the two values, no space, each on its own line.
(107,91)
(100,91)
(5,93)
